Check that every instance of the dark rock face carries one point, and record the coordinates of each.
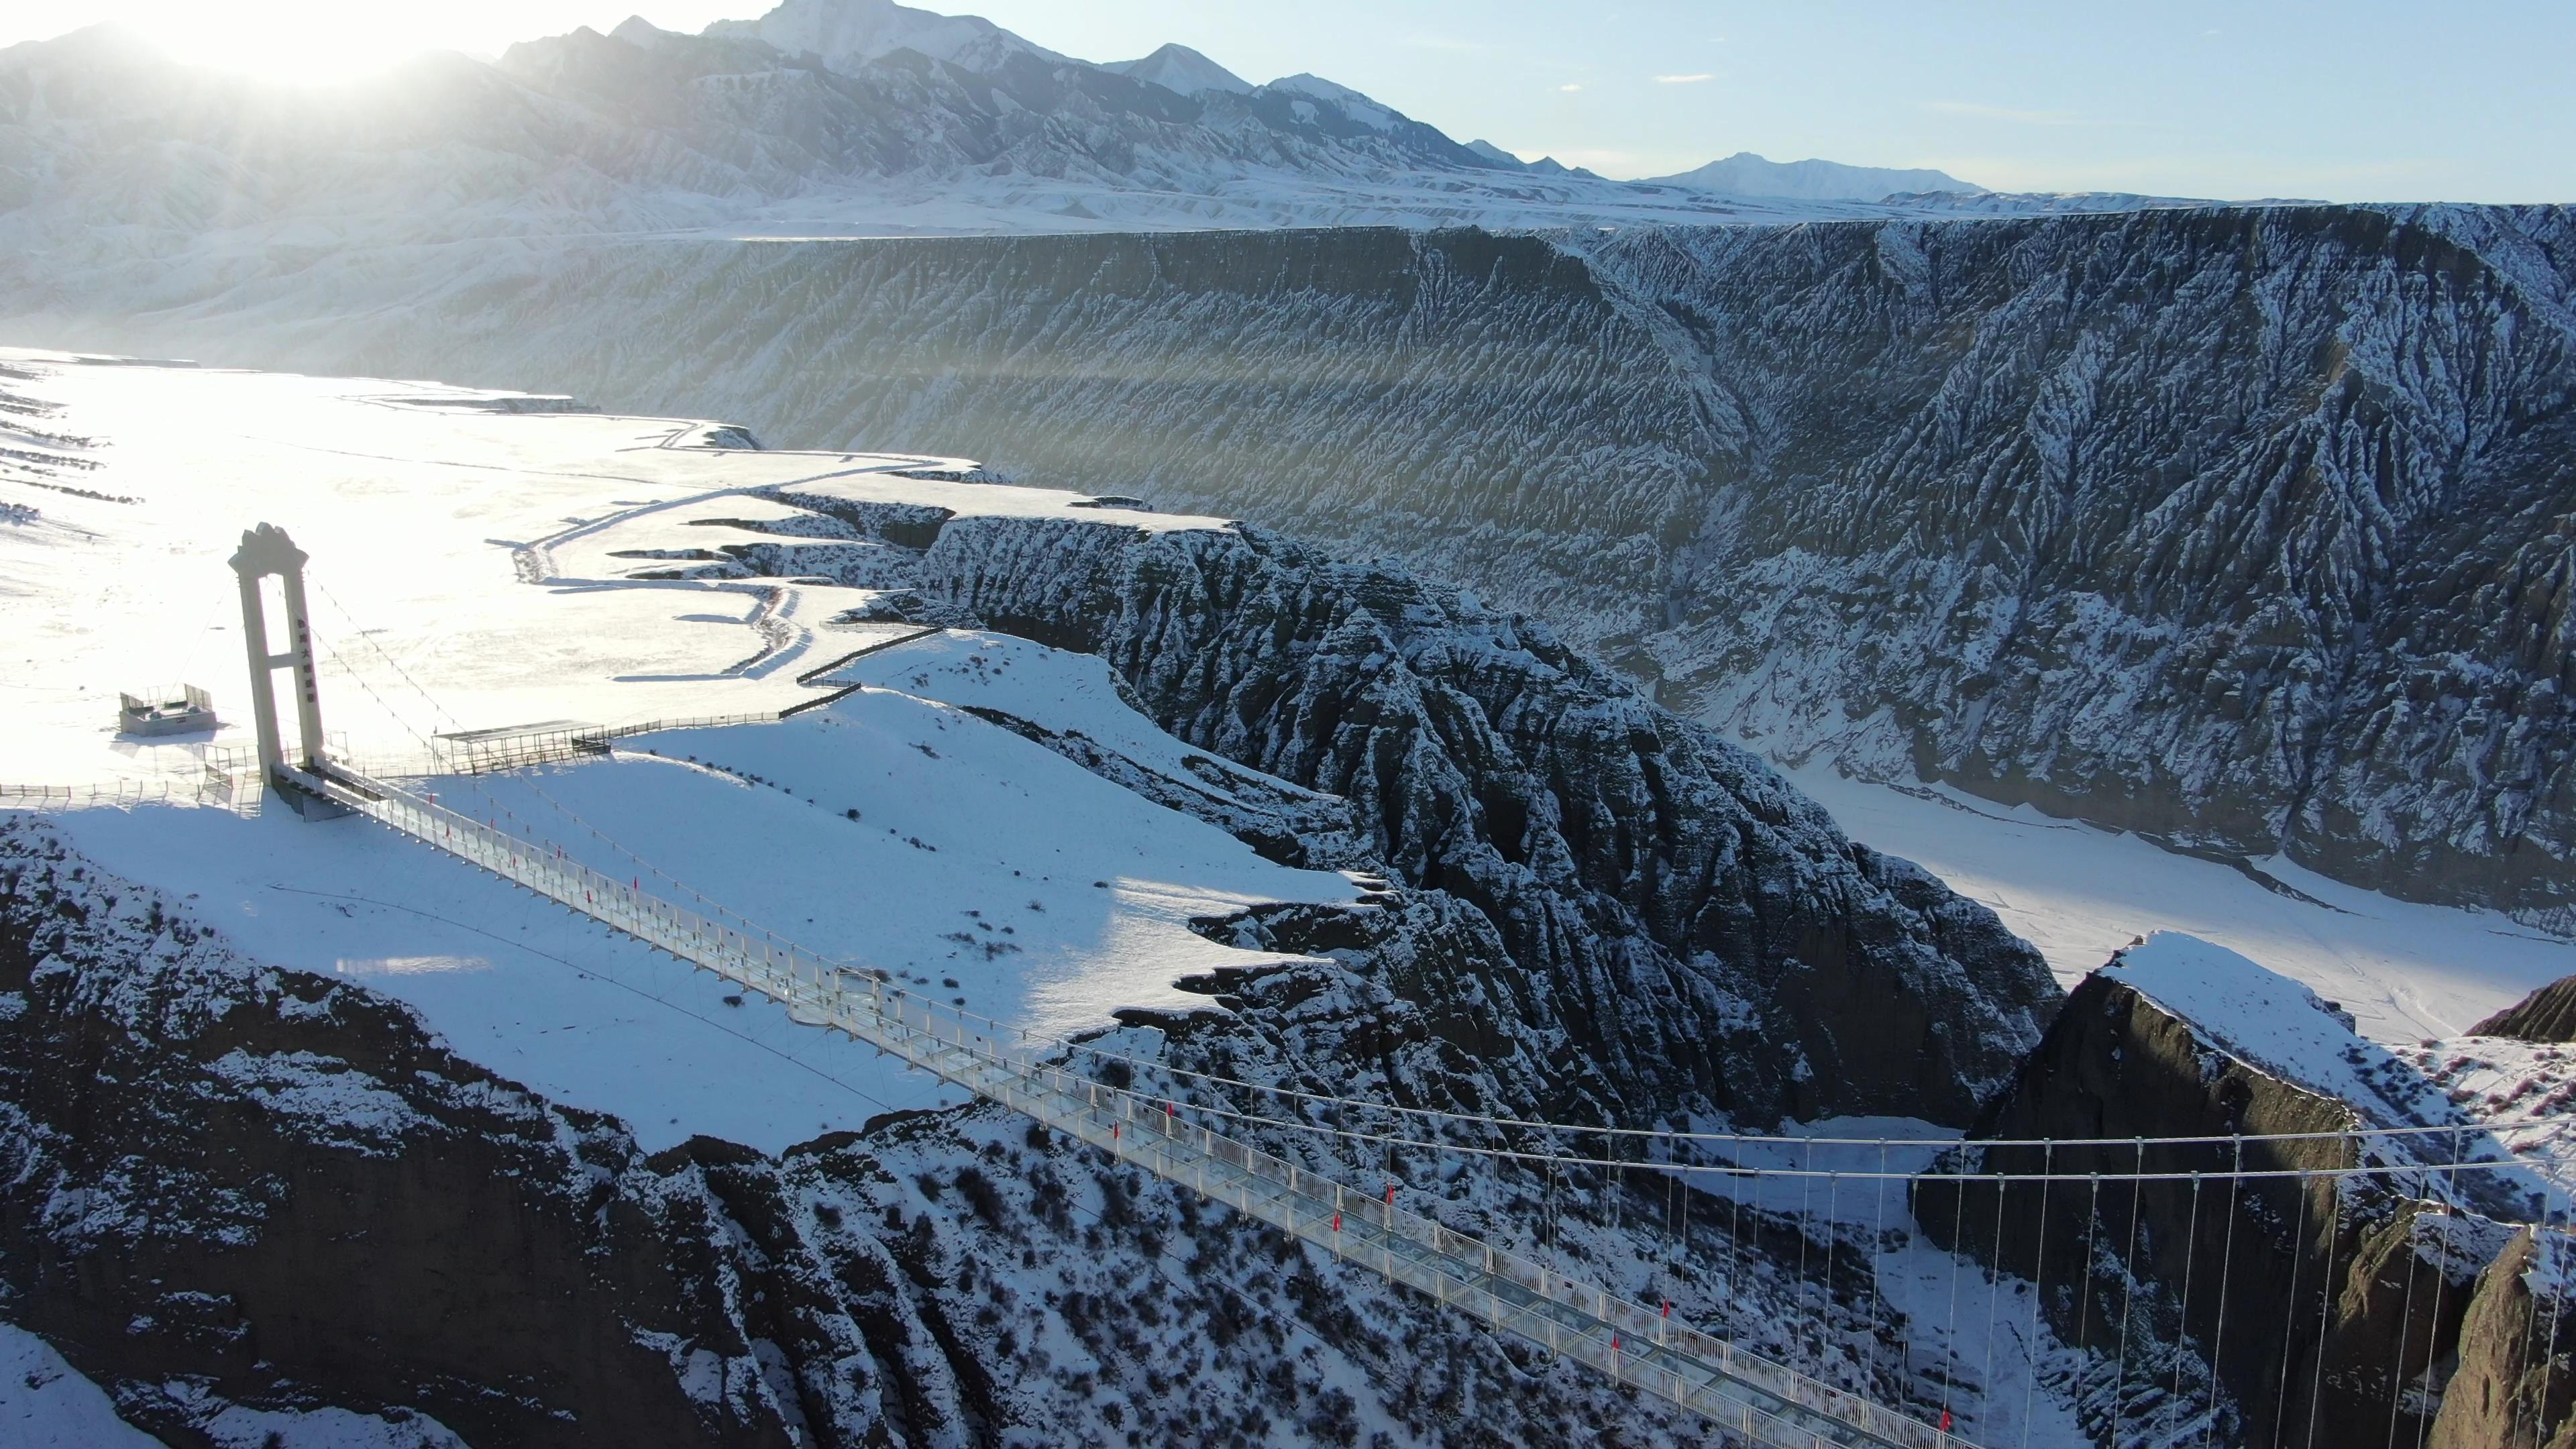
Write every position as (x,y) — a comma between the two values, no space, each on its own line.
(2250,529)
(206,1185)
(2345,1309)
(2513,1388)
(1701,932)
(2548,1014)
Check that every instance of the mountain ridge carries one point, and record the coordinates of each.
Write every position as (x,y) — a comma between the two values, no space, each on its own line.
(1746,174)
(819,118)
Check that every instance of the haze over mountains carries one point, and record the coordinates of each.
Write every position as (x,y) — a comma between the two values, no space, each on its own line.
(820,117)
(1745,174)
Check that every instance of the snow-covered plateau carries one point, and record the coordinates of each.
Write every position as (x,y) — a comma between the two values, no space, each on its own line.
(270,1088)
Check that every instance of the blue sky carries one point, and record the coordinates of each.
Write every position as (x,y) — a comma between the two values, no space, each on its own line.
(2361,100)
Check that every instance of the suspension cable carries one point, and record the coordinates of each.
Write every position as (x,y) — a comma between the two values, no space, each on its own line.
(2441,1282)
(2226,1259)
(2039,1291)
(2325,1311)
(2128,1283)
(2084,1310)
(2190,1253)
(2290,1318)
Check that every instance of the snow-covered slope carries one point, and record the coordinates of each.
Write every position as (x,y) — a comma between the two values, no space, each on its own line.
(46,1403)
(2271,1022)
(847,34)
(476,562)
(825,117)
(1182,70)
(1745,174)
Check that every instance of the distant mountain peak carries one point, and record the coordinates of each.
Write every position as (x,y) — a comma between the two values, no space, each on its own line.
(1360,108)
(1496,154)
(1746,174)
(636,30)
(847,34)
(1182,70)
(1309,83)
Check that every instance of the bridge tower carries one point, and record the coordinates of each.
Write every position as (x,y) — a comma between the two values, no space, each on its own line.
(267,550)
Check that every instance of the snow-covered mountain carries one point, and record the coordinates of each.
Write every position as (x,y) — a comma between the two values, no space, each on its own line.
(1745,174)
(1182,70)
(847,34)
(823,117)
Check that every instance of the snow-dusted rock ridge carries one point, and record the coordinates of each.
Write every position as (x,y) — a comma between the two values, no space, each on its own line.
(2247,528)
(1695,931)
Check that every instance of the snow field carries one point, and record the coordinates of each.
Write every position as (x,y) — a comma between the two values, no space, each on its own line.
(2406,972)
(979,866)
(1060,691)
(427,511)
(46,1404)
(479,540)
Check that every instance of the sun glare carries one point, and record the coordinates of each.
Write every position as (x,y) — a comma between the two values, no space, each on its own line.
(304,43)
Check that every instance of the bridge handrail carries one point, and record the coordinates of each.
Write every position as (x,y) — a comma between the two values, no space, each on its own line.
(1642,1325)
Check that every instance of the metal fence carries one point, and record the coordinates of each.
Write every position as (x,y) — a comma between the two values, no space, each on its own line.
(212,788)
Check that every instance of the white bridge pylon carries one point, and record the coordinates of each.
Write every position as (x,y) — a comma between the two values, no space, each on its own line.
(1764,1402)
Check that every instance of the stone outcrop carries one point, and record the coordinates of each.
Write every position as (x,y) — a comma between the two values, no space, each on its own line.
(2548,1014)
(2516,1380)
(2345,1307)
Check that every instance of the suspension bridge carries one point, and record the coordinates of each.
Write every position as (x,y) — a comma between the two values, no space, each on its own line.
(1768,1403)
(1753,1397)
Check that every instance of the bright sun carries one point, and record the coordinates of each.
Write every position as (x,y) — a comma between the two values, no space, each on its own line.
(306,41)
